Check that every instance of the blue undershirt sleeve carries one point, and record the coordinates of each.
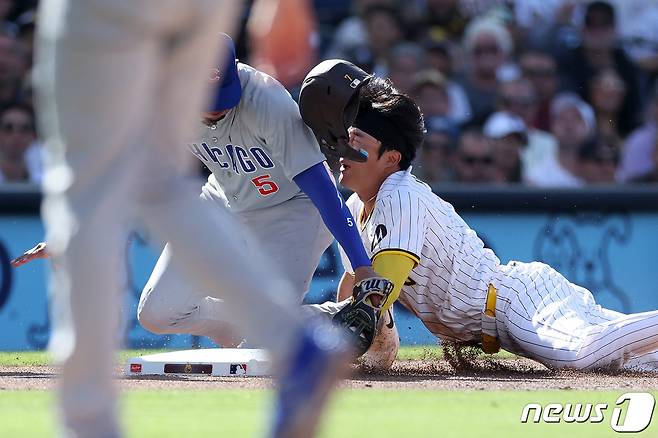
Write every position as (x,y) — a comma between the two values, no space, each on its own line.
(317,184)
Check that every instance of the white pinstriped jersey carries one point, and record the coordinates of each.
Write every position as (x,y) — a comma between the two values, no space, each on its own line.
(257,148)
(447,288)
(538,313)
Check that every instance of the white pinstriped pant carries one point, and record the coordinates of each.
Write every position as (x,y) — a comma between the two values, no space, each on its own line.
(541,315)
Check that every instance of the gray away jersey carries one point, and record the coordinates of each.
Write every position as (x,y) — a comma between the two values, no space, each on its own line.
(447,289)
(257,148)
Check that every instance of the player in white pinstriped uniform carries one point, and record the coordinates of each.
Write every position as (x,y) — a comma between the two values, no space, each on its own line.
(457,287)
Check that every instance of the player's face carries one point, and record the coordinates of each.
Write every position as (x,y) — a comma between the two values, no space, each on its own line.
(360,176)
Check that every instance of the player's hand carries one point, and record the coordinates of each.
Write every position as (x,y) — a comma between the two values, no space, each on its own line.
(38,252)
(372,291)
(361,274)
(360,317)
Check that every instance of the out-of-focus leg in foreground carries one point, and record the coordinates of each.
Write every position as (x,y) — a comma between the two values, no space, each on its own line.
(120,84)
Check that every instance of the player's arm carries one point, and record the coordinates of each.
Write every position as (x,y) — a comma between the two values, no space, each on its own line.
(38,252)
(345,286)
(294,145)
(318,185)
(398,252)
(395,266)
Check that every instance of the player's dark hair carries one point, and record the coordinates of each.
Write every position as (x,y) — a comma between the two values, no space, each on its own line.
(400,120)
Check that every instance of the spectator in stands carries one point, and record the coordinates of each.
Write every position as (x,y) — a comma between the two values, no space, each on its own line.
(572,122)
(607,91)
(597,161)
(638,155)
(13,68)
(599,50)
(653,176)
(508,137)
(518,97)
(439,58)
(18,163)
(474,160)
(384,29)
(637,29)
(434,162)
(540,68)
(431,94)
(443,20)
(404,61)
(26,32)
(6,26)
(487,45)
(351,33)
(548,24)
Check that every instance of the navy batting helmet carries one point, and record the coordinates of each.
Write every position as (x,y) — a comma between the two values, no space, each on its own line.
(329,102)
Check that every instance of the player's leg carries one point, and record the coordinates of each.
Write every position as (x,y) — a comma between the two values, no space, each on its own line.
(645,362)
(169,304)
(559,324)
(531,317)
(293,236)
(92,77)
(634,345)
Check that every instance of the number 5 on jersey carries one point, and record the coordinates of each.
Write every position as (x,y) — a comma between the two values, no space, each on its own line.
(265,187)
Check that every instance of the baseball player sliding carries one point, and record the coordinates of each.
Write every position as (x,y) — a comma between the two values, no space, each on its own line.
(443,274)
(266,168)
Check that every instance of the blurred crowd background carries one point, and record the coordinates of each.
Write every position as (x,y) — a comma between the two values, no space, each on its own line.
(545,93)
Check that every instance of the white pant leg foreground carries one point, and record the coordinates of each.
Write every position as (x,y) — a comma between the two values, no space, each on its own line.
(559,324)
(107,74)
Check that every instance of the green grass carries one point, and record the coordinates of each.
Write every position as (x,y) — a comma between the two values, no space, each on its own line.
(31,358)
(355,412)
(35,358)
(429,352)
(368,412)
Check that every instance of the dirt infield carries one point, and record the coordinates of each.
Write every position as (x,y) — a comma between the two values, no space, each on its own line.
(430,374)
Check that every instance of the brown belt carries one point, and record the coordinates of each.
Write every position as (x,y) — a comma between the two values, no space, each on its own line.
(490,344)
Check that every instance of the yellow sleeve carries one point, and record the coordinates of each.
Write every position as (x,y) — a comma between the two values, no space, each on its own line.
(395,266)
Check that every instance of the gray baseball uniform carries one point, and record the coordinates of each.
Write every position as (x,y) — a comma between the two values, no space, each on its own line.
(258,147)
(538,312)
(253,153)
